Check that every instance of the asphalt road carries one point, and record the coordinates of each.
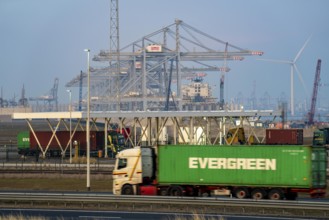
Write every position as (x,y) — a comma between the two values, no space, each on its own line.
(63,214)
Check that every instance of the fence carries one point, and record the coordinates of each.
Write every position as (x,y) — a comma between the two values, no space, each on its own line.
(9,152)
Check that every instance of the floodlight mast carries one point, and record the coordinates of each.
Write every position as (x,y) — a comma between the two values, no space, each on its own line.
(88,121)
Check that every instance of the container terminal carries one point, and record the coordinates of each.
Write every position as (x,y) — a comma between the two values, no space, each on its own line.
(161,77)
(153,93)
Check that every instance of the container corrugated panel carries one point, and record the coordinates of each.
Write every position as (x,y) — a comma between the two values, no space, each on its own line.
(288,166)
(319,167)
(284,136)
(326,130)
(96,139)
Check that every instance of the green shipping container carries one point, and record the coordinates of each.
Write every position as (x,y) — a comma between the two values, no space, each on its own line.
(292,166)
(23,140)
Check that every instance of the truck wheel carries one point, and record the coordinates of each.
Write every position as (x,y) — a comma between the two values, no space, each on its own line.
(241,193)
(275,194)
(175,191)
(205,194)
(258,194)
(127,190)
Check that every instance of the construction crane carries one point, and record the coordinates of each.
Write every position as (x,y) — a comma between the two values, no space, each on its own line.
(315,93)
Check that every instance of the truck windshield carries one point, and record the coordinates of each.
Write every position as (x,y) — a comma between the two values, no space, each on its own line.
(122,163)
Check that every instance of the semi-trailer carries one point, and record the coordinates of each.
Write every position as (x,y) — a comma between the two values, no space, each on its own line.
(258,171)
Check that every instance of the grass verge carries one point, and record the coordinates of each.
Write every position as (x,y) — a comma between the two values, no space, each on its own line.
(57,182)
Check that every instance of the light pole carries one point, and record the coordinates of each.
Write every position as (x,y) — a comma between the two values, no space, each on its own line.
(88,120)
(70,96)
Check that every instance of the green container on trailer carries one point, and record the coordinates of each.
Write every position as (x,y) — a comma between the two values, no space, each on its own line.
(259,165)
(319,167)
(23,141)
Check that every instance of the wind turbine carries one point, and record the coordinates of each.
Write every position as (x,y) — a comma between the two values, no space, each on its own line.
(293,67)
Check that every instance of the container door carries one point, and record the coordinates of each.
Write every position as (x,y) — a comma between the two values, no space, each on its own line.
(319,167)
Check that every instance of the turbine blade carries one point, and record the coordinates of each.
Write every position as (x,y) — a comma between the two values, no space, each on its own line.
(276,61)
(301,80)
(301,50)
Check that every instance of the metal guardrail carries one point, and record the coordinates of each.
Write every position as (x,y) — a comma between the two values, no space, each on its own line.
(167,204)
(54,167)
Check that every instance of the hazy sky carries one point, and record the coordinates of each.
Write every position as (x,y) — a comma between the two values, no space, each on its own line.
(44,39)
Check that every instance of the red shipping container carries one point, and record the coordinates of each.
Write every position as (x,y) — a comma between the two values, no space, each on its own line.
(96,140)
(284,136)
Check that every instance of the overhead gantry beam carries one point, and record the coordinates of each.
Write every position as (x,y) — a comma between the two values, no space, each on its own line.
(154,128)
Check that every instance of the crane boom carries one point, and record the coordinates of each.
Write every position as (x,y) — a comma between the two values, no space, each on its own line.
(315,93)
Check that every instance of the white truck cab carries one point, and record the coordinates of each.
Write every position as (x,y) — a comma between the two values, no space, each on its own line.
(132,167)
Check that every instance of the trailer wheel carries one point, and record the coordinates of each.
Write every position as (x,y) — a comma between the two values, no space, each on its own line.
(127,190)
(241,193)
(258,193)
(205,194)
(163,192)
(317,195)
(175,191)
(275,194)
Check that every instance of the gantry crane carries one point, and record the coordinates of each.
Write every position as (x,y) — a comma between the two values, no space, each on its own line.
(50,97)
(138,74)
(315,93)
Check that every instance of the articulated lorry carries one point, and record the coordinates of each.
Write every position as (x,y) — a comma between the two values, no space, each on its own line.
(258,172)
